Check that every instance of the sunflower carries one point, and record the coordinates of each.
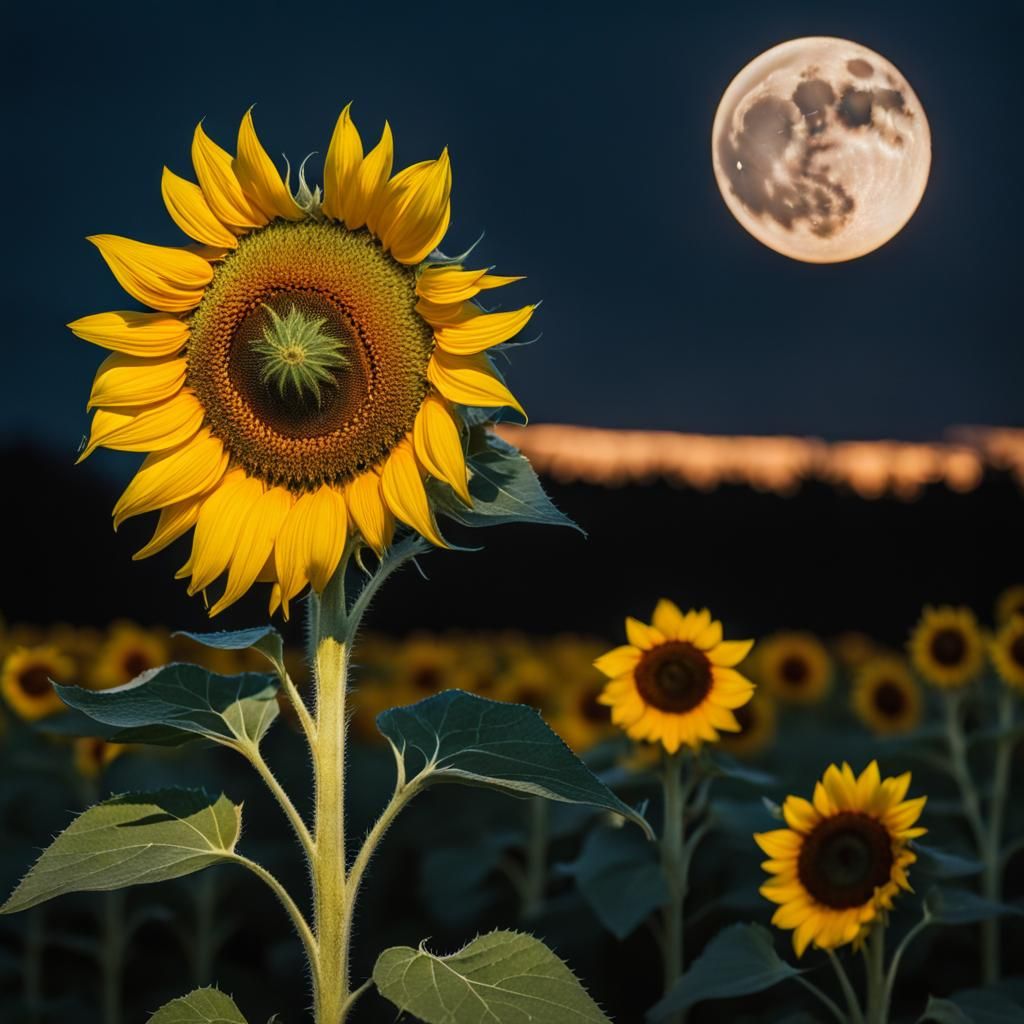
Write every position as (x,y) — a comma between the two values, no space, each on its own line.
(675,682)
(843,858)
(853,649)
(794,667)
(947,647)
(757,727)
(25,680)
(1010,603)
(127,652)
(1008,652)
(886,698)
(301,370)
(91,755)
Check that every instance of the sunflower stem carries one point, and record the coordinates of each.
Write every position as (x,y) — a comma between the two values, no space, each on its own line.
(536,858)
(874,964)
(856,1016)
(32,963)
(112,955)
(894,964)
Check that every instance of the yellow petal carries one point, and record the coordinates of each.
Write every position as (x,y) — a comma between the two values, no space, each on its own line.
(260,180)
(170,476)
(168,279)
(220,522)
(189,209)
(618,661)
(135,334)
(439,446)
(444,285)
(482,332)
(643,636)
(135,380)
(799,814)
(255,544)
(470,380)
(437,314)
(415,214)
(401,484)
(668,619)
(782,842)
(344,156)
(174,521)
(371,517)
(709,637)
(310,543)
(729,652)
(370,180)
(220,186)
(148,428)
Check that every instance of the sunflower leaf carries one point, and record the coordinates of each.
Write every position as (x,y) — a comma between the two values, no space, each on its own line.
(943,864)
(972,1006)
(264,639)
(726,767)
(503,486)
(181,703)
(203,1006)
(738,961)
(502,977)
(961,906)
(460,737)
(129,840)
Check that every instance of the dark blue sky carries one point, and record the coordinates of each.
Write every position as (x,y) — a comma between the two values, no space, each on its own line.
(580,144)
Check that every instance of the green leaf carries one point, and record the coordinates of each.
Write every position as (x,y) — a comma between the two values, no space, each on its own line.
(942,864)
(961,906)
(727,767)
(973,1006)
(264,639)
(129,840)
(619,876)
(181,703)
(204,1006)
(503,486)
(499,978)
(459,737)
(738,961)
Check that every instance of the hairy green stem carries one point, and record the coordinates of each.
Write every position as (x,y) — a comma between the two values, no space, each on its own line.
(852,1005)
(874,966)
(251,752)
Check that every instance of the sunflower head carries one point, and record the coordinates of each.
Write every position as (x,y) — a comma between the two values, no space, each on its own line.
(1008,652)
(843,857)
(675,682)
(757,720)
(794,667)
(886,698)
(25,680)
(946,646)
(128,652)
(1010,604)
(303,371)
(91,756)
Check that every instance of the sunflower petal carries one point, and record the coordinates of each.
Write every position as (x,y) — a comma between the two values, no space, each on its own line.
(643,636)
(134,334)
(259,178)
(165,278)
(470,380)
(482,332)
(310,543)
(444,285)
(134,380)
(438,445)
(402,487)
(148,428)
(174,521)
(619,661)
(709,637)
(729,652)
(218,528)
(668,618)
(189,209)
(221,188)
(371,517)
(416,210)
(370,180)
(344,156)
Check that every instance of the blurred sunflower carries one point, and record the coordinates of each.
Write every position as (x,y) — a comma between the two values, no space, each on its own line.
(946,646)
(91,756)
(852,648)
(886,697)
(1010,603)
(1008,652)
(675,682)
(756,720)
(297,380)
(25,680)
(424,665)
(794,667)
(843,858)
(127,652)
(582,720)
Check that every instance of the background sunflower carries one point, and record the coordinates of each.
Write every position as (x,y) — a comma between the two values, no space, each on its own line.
(946,646)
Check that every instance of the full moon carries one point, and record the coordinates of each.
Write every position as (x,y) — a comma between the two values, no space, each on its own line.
(821,149)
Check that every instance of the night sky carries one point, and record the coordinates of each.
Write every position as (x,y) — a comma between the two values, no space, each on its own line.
(580,145)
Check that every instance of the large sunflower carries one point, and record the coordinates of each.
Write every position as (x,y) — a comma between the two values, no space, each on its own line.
(1008,652)
(886,697)
(304,365)
(947,647)
(843,858)
(675,682)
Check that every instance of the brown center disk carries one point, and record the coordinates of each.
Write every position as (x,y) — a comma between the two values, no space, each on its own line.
(949,647)
(366,299)
(794,671)
(844,859)
(1017,650)
(35,680)
(890,699)
(674,677)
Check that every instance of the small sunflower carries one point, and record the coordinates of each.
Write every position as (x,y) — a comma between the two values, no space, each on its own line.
(1008,652)
(794,667)
(91,756)
(675,682)
(1010,604)
(757,727)
(843,858)
(886,696)
(947,647)
(853,649)
(25,680)
(582,720)
(127,652)
(302,370)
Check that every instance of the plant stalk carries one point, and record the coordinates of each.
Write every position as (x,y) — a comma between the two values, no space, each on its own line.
(672,859)
(536,874)
(874,963)
(112,954)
